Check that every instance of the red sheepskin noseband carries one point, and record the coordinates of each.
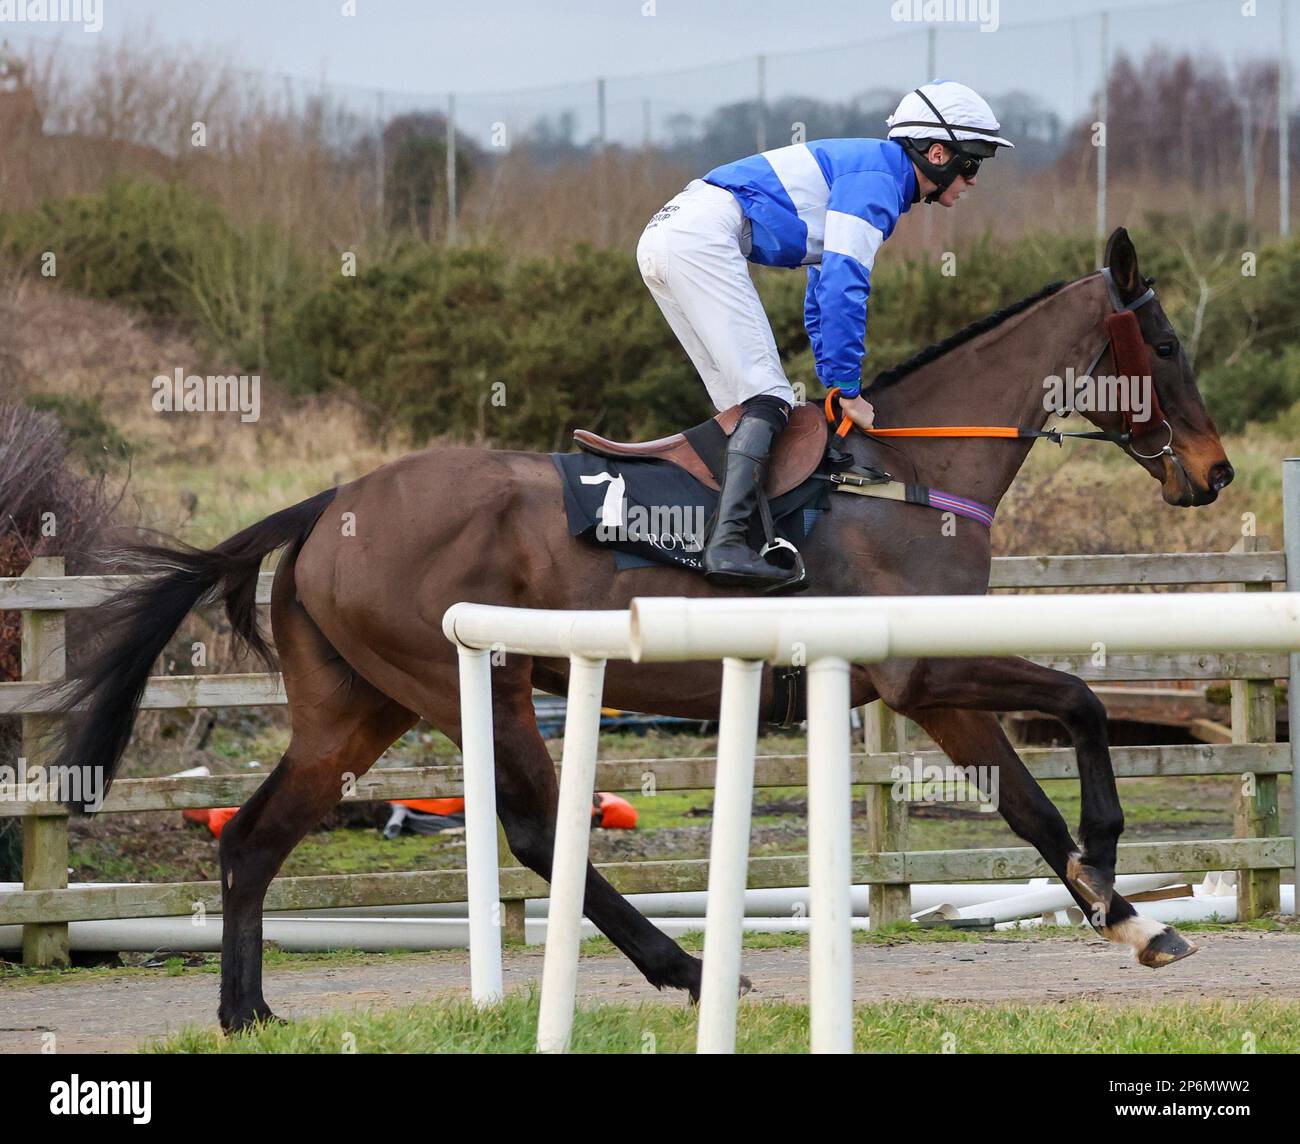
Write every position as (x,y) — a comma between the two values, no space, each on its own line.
(1133,359)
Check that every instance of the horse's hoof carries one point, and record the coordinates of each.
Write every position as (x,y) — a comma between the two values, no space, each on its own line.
(258,1019)
(1096,887)
(1165,948)
(745,986)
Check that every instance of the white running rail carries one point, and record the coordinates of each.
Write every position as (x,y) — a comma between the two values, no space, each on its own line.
(827,635)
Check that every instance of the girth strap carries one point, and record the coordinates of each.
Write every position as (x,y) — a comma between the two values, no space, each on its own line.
(873,483)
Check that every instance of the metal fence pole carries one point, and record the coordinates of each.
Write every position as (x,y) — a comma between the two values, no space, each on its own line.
(451,168)
(381,160)
(1248,162)
(760,132)
(601,137)
(1291,546)
(1283,127)
(1103,113)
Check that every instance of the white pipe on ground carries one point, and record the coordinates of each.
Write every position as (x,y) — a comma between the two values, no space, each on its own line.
(770,902)
(1178,911)
(1049,899)
(315,935)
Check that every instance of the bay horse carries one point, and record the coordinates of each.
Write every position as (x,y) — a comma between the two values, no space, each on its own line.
(371,566)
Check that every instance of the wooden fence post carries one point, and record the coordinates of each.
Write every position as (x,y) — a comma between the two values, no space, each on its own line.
(882,731)
(512,909)
(1254,720)
(45,836)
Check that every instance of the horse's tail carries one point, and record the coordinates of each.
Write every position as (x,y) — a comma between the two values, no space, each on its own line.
(140,620)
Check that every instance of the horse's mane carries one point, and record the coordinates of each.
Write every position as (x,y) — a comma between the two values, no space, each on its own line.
(893,376)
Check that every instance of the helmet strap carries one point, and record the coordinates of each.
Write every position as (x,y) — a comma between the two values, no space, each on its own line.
(941,175)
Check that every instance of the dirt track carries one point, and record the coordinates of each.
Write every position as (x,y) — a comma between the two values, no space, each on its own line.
(115,1014)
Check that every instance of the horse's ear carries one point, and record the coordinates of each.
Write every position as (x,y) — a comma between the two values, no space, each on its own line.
(1122,260)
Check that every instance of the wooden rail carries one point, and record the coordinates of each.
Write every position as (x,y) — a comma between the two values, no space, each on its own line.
(45,905)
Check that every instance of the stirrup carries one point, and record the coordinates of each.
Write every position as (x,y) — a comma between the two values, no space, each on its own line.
(798,579)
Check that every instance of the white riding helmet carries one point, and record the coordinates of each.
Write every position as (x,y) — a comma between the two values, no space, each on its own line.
(962,114)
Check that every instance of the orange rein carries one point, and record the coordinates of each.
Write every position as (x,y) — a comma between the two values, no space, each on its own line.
(846,424)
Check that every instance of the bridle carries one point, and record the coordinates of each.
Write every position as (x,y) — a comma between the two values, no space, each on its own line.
(1131,358)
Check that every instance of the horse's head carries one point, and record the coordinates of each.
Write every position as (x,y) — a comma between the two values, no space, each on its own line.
(1177,443)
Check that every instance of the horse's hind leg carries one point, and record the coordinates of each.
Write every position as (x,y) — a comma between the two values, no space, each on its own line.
(976,739)
(341,725)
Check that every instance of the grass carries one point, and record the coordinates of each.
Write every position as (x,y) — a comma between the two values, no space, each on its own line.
(456,1026)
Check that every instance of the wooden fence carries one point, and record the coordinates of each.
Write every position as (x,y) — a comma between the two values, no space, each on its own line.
(45,905)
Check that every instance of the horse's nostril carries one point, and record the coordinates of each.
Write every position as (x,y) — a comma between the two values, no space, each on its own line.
(1221,475)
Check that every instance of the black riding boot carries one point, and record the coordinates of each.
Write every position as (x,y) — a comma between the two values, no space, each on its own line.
(728,558)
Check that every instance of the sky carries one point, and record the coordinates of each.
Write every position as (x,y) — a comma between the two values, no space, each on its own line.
(1050,48)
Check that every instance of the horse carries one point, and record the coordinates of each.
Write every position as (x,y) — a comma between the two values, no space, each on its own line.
(370,567)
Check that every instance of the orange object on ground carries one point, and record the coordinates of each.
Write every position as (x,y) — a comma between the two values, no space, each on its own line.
(613,813)
(607,809)
(218,818)
(434,805)
(215,820)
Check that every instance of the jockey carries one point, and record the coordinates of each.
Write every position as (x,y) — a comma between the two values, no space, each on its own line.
(827,205)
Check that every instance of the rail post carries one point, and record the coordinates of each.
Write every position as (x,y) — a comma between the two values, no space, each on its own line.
(733,801)
(482,876)
(886,816)
(569,865)
(1254,720)
(45,832)
(830,856)
(1291,546)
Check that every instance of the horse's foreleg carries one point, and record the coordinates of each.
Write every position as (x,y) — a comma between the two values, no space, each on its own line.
(975,738)
(527,794)
(1013,684)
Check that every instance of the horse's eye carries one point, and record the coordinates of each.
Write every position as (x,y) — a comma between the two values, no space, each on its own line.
(1166,349)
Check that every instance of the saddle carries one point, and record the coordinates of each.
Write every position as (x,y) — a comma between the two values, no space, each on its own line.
(701,450)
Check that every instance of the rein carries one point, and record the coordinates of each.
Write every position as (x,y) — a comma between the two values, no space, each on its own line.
(1132,358)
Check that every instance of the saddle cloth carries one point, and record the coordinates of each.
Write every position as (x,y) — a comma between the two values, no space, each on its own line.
(652,511)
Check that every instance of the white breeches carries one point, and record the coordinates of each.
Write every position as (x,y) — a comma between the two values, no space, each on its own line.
(692,256)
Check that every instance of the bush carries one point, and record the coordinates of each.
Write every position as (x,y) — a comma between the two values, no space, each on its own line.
(1255,386)
(89,435)
(169,252)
